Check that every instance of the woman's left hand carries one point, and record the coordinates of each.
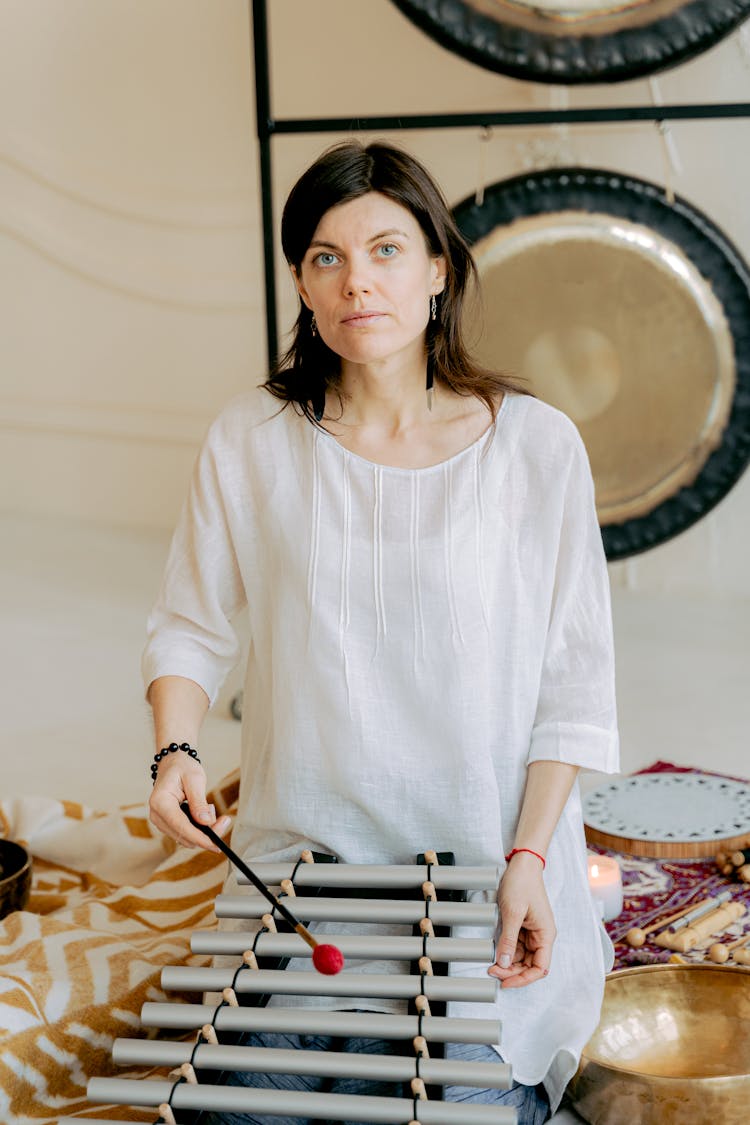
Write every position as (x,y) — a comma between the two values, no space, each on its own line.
(524,948)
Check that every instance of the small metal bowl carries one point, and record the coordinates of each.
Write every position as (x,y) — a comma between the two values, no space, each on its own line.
(15,877)
(672,1048)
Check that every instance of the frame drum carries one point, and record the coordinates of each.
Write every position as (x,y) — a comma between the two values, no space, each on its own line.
(576,41)
(632,315)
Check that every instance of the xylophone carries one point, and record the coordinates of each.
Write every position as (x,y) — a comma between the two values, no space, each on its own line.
(427,899)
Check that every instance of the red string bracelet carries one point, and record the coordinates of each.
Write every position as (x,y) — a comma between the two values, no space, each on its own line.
(515,851)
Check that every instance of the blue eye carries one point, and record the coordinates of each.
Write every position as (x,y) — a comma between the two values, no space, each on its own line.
(325,259)
(387,250)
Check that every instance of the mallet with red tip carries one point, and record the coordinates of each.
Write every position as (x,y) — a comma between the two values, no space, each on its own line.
(327,959)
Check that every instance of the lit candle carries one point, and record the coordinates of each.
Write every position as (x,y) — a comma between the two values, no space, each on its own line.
(605,883)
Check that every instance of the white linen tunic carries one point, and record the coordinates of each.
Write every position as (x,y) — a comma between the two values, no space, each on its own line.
(417,638)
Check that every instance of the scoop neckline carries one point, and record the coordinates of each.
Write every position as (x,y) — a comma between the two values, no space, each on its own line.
(485,436)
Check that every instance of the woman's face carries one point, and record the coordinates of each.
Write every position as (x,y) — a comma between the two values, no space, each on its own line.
(368,276)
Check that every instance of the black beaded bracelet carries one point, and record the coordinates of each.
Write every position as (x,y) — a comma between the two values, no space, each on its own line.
(171,749)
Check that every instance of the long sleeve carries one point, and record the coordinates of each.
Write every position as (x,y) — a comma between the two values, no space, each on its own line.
(575,719)
(189,629)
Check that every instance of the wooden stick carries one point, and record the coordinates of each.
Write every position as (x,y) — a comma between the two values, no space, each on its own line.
(738,942)
(705,908)
(259,885)
(636,937)
(712,923)
(719,953)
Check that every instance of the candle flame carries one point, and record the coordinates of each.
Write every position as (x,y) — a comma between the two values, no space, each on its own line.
(595,870)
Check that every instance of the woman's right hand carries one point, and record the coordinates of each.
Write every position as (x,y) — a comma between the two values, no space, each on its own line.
(179,707)
(180,778)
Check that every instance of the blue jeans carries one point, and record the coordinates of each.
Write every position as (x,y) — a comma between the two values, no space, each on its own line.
(530,1101)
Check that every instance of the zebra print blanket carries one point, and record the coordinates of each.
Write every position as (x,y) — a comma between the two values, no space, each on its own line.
(112,902)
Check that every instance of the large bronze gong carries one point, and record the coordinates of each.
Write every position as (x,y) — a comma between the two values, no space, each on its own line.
(573,41)
(632,315)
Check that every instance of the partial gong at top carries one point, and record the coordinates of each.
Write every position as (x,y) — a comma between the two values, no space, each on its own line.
(632,317)
(574,41)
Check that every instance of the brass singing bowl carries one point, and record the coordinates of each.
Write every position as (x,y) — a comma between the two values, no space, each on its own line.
(672,1048)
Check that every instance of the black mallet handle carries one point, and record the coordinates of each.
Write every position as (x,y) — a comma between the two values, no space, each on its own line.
(246,871)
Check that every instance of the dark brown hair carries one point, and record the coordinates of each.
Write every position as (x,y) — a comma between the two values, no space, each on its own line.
(347,171)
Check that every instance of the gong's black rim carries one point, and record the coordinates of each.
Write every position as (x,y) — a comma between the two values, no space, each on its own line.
(581,58)
(717,260)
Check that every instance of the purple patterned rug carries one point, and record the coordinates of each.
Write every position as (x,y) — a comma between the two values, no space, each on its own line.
(656,888)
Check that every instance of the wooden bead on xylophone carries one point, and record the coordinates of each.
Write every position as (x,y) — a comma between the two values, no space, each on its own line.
(430,897)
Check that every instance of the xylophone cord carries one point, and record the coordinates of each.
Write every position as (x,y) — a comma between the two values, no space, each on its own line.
(327,959)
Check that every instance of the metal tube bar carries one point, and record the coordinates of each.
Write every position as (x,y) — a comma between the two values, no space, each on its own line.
(323,1064)
(314,1021)
(588,116)
(217,942)
(397,876)
(394,911)
(285,982)
(294,1103)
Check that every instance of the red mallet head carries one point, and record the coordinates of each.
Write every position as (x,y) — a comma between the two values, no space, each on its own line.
(328,959)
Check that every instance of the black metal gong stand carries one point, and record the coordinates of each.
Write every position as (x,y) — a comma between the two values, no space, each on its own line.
(268,126)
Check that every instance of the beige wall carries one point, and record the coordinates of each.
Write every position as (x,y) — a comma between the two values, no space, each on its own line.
(130,274)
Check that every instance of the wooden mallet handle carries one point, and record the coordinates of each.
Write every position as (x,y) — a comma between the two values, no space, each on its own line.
(327,959)
(636,937)
(713,923)
(719,952)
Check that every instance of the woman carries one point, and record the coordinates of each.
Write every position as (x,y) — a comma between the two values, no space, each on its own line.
(430,653)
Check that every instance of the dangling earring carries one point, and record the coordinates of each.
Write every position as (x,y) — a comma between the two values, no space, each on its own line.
(433,307)
(313,325)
